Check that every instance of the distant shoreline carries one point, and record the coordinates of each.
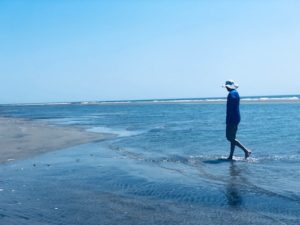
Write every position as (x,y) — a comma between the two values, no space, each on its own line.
(210,100)
(21,139)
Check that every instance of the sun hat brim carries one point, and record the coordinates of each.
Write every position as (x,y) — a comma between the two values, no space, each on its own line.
(232,86)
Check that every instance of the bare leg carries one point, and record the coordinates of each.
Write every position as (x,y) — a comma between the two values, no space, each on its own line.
(246,151)
(230,135)
(232,146)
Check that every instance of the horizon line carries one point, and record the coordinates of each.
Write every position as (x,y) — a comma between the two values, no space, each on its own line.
(145,100)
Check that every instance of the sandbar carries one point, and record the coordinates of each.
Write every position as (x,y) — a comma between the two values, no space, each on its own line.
(21,139)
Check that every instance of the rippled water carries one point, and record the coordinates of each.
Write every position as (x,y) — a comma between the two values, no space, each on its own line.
(167,166)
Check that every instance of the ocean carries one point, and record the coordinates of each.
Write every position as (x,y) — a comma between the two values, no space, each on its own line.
(166,165)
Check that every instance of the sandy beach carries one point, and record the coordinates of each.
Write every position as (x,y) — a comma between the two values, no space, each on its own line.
(20,139)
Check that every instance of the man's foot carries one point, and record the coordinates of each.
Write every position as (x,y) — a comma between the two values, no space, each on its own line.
(229,158)
(247,154)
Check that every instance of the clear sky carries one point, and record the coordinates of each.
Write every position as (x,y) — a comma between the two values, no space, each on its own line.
(71,50)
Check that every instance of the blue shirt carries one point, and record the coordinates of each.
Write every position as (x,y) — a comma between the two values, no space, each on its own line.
(233,108)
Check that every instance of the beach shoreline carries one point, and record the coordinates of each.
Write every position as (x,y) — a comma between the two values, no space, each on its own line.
(21,139)
(164,166)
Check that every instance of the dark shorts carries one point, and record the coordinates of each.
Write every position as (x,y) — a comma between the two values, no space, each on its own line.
(231,130)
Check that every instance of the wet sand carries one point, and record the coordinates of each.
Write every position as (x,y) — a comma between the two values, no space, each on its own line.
(21,139)
(93,184)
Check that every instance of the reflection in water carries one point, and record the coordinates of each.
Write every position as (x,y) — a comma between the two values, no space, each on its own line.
(232,190)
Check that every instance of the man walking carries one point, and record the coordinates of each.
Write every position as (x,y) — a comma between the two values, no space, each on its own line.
(233,118)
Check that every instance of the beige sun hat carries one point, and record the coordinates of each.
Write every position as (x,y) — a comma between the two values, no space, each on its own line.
(230,84)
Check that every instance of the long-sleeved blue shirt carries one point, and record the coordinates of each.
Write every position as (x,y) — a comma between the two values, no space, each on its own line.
(233,108)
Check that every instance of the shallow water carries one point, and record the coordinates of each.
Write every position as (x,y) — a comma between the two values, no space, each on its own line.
(167,166)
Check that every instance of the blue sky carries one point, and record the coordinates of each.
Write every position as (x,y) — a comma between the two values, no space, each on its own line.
(113,50)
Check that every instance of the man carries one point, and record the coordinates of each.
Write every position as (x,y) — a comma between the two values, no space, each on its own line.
(233,118)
